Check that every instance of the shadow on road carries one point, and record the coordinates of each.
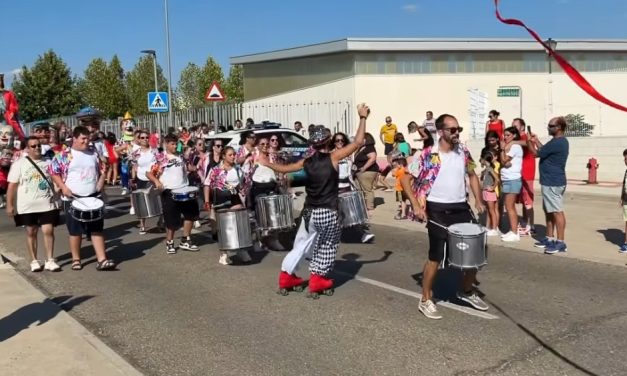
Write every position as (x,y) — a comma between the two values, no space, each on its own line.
(613,235)
(544,344)
(446,285)
(40,313)
(350,265)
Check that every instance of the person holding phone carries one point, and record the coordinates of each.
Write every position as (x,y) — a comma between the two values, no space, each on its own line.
(528,173)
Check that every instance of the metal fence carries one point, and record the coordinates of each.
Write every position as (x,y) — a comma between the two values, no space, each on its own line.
(337,115)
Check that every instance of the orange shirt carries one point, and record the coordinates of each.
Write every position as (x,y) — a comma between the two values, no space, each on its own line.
(398,173)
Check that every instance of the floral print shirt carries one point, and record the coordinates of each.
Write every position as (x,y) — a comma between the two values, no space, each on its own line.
(428,165)
(217,178)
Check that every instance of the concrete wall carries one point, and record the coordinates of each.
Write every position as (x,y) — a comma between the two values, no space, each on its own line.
(607,150)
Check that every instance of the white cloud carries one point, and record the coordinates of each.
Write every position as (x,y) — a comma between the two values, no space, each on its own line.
(410,8)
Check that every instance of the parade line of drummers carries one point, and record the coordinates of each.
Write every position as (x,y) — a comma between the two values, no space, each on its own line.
(247,194)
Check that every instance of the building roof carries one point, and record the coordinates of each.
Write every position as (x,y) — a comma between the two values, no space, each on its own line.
(430,45)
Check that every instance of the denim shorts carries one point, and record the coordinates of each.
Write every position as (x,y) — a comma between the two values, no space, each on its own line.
(552,198)
(512,186)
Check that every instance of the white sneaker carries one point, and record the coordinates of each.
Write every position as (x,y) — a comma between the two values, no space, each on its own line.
(52,266)
(429,309)
(124,191)
(510,237)
(367,237)
(244,256)
(493,232)
(196,224)
(224,259)
(35,266)
(274,244)
(132,211)
(474,300)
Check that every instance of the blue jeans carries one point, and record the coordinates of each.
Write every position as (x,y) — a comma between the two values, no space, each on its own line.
(124,174)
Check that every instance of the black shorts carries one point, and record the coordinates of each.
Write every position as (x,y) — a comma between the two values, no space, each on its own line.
(388,148)
(78,228)
(261,189)
(445,215)
(173,210)
(37,219)
(401,196)
(143,184)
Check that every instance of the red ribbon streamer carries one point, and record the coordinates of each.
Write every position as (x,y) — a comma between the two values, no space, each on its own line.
(566,67)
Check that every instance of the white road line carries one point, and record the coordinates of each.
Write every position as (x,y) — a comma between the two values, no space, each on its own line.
(413,294)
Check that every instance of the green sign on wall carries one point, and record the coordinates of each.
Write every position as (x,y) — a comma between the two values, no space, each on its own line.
(508,91)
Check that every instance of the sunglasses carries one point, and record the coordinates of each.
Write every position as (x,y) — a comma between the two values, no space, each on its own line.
(553,125)
(143,138)
(217,145)
(34,146)
(453,130)
(274,140)
(339,140)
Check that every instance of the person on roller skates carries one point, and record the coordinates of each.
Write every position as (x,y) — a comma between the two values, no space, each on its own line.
(319,233)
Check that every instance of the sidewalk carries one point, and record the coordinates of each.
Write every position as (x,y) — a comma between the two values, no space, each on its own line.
(594,223)
(39,338)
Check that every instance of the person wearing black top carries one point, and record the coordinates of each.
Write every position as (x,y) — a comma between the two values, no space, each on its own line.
(319,234)
(367,169)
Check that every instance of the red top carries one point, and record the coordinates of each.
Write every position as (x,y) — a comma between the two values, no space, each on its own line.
(529,161)
(497,126)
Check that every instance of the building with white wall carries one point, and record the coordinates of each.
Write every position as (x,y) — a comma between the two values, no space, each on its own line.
(403,78)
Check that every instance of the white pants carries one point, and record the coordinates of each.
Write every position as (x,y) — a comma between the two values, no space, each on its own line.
(303,247)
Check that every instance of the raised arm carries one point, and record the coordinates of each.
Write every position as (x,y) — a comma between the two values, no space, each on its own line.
(292,167)
(349,149)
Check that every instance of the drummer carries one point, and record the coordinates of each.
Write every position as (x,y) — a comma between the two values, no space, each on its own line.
(168,173)
(320,215)
(79,172)
(264,182)
(142,160)
(347,184)
(439,195)
(222,191)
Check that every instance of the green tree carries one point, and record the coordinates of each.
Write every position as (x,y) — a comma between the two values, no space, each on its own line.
(103,87)
(576,126)
(139,81)
(211,72)
(189,93)
(47,89)
(235,84)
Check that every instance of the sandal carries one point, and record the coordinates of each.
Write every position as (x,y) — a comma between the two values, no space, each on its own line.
(76,265)
(105,265)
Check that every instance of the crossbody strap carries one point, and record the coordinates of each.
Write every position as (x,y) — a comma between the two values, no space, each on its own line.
(42,174)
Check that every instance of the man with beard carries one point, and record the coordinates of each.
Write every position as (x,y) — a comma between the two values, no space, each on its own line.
(439,196)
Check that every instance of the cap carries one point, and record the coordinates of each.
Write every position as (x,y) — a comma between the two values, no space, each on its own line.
(41,125)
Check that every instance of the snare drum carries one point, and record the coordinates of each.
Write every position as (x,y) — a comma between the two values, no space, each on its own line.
(185,194)
(275,212)
(467,246)
(87,209)
(233,229)
(147,203)
(353,209)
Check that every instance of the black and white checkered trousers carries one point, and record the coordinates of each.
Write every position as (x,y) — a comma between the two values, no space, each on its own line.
(326,223)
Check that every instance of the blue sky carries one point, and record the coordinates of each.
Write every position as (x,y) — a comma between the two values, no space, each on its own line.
(79,30)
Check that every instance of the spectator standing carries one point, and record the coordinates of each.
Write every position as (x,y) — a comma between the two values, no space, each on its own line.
(387,134)
(553,156)
(367,169)
(429,125)
(528,175)
(298,128)
(495,124)
(623,202)
(31,189)
(511,159)
(401,145)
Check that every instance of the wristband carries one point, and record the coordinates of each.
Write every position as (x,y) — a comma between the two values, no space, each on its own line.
(363,117)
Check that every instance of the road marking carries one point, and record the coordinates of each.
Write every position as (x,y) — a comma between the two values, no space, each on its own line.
(413,294)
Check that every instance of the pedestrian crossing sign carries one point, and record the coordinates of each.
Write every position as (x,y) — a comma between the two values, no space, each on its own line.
(158,101)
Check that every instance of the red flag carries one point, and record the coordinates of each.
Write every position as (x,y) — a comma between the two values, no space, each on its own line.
(566,67)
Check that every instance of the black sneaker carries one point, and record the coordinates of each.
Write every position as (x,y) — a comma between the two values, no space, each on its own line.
(169,247)
(188,244)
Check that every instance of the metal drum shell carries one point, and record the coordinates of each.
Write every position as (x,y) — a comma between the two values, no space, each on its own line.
(185,194)
(233,229)
(147,203)
(86,215)
(352,208)
(466,246)
(275,212)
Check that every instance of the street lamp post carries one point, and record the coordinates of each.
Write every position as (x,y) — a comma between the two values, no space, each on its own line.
(553,45)
(153,53)
(167,44)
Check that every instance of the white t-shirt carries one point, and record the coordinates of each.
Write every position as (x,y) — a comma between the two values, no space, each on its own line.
(264,174)
(232,178)
(33,192)
(430,126)
(513,172)
(173,175)
(144,162)
(83,172)
(450,185)
(101,148)
(134,147)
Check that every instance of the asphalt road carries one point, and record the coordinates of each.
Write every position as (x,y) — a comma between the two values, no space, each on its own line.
(185,314)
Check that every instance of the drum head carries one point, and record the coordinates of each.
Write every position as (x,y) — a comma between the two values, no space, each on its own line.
(468,229)
(87,203)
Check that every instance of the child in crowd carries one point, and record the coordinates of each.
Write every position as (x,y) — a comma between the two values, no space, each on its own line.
(399,163)
(489,183)
(623,202)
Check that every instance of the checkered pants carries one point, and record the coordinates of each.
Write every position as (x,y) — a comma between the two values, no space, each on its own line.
(317,239)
